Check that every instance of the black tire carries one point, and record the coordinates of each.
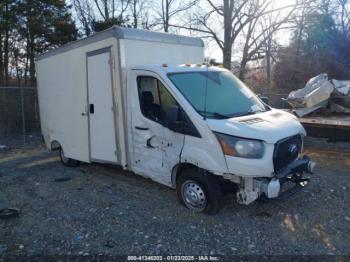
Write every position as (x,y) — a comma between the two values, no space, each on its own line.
(8,213)
(68,161)
(203,186)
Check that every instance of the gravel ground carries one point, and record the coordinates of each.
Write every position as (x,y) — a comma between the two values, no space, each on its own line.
(104,210)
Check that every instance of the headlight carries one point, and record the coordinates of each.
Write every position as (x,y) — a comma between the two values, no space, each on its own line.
(240,147)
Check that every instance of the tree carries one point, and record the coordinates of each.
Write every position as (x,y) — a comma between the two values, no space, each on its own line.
(84,14)
(43,25)
(7,24)
(100,25)
(107,9)
(258,37)
(225,22)
(139,10)
(171,8)
(345,17)
(319,45)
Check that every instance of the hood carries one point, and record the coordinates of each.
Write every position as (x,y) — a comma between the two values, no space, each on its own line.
(270,126)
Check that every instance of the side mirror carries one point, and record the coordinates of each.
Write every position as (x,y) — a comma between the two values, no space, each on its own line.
(171,119)
(177,121)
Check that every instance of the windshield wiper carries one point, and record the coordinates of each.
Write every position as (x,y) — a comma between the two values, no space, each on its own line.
(214,114)
(224,116)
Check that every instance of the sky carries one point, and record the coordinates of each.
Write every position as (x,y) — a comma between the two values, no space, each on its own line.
(211,48)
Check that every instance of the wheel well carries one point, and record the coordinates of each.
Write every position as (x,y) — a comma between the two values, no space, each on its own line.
(178,169)
(226,185)
(55,145)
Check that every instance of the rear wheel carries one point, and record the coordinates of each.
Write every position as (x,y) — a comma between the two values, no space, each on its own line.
(68,161)
(199,192)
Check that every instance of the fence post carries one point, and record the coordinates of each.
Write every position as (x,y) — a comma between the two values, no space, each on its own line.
(23,113)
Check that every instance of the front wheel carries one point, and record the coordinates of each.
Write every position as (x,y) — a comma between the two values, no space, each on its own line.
(68,161)
(199,192)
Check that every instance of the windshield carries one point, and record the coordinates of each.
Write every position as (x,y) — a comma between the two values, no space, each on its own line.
(226,96)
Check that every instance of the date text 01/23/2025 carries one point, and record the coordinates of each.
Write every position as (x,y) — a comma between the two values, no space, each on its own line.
(172,258)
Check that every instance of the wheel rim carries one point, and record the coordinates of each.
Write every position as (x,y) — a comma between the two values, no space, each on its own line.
(63,158)
(193,196)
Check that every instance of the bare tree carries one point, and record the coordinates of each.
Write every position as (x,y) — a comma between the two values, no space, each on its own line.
(6,31)
(108,8)
(84,13)
(170,8)
(258,38)
(234,15)
(300,23)
(139,10)
(345,17)
(104,7)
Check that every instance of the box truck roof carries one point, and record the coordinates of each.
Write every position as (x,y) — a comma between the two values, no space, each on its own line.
(178,68)
(126,33)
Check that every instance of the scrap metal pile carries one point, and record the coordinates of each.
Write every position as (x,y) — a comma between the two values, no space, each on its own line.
(321,95)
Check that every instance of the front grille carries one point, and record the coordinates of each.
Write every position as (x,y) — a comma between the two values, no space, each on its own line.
(286,151)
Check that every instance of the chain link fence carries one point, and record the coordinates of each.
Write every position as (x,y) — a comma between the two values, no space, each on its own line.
(19,111)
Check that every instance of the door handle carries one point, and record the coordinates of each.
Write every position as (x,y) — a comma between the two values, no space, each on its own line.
(149,142)
(141,128)
(92,108)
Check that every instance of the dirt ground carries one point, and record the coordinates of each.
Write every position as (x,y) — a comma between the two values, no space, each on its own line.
(104,210)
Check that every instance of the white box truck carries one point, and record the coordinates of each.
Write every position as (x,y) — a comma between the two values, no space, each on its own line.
(147,102)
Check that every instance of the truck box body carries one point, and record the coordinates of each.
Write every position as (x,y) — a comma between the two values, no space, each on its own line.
(92,71)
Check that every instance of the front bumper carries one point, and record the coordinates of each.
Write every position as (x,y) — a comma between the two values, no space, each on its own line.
(286,182)
(290,179)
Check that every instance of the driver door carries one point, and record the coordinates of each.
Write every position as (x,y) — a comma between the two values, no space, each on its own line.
(155,148)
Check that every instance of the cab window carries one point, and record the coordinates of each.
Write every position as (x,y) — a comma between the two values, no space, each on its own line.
(155,99)
(155,102)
